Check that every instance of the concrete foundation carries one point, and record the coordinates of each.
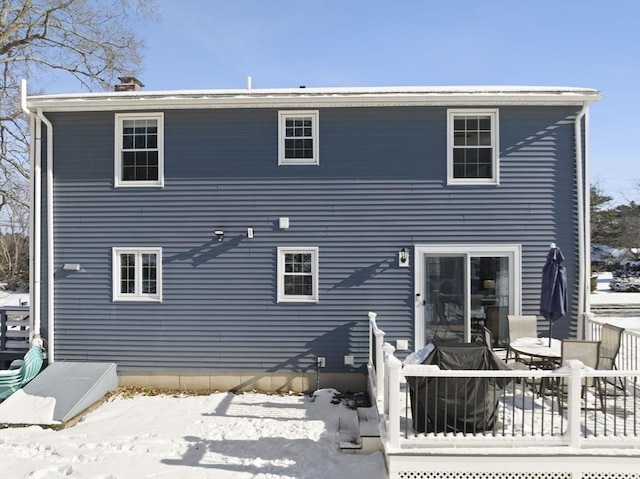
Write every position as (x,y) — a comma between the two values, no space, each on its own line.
(242,381)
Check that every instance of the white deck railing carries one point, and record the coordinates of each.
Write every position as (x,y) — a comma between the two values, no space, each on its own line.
(527,414)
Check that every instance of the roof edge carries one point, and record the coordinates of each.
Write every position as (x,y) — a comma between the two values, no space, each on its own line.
(316,97)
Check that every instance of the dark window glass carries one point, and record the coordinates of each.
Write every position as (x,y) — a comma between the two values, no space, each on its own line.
(140,150)
(298,141)
(471,137)
(127,274)
(140,166)
(149,270)
(298,280)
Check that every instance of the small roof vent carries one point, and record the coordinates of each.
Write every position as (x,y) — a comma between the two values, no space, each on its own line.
(129,84)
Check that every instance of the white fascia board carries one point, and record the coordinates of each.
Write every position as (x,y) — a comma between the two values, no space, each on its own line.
(315,98)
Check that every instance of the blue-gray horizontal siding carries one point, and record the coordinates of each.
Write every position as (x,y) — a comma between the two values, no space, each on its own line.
(380,186)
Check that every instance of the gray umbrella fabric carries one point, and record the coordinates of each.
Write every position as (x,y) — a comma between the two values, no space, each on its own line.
(553,293)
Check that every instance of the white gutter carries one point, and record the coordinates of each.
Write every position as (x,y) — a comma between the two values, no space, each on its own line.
(583,202)
(316,98)
(50,262)
(34,224)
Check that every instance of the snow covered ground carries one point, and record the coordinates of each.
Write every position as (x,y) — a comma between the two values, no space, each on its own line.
(219,436)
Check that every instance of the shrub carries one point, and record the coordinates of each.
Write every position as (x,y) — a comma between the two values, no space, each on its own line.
(627,279)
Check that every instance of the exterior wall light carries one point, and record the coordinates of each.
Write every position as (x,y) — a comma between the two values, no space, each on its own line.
(403,258)
(219,234)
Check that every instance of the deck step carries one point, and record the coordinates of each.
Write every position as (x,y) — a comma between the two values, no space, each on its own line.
(359,430)
(369,422)
(348,430)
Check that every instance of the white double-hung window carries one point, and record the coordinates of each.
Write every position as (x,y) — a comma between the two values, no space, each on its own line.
(139,149)
(297,274)
(472,146)
(137,274)
(298,138)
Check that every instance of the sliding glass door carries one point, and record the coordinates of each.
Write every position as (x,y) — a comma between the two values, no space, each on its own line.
(461,288)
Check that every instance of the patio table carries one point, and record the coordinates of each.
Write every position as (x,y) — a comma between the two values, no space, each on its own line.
(543,354)
(548,355)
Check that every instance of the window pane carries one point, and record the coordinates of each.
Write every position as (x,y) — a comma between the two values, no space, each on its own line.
(298,285)
(298,274)
(127,274)
(470,132)
(127,127)
(140,150)
(149,270)
(485,123)
(140,165)
(127,142)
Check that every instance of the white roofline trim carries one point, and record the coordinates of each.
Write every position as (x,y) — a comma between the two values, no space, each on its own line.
(316,98)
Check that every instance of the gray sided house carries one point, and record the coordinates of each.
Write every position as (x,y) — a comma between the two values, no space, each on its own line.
(232,237)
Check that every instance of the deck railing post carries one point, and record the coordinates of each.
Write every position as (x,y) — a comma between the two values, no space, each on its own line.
(378,355)
(380,362)
(573,402)
(393,419)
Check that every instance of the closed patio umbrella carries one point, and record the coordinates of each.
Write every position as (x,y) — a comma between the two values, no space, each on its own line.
(553,293)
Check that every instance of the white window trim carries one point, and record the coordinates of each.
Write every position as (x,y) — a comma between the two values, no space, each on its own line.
(282,117)
(116,271)
(513,251)
(495,142)
(282,250)
(119,119)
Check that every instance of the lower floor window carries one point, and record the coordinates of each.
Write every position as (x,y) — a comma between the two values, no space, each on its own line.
(297,274)
(137,274)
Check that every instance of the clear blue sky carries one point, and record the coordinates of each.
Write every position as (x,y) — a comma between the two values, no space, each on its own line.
(199,44)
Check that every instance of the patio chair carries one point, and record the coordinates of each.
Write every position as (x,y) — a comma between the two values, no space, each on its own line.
(525,326)
(13,379)
(487,338)
(587,352)
(610,338)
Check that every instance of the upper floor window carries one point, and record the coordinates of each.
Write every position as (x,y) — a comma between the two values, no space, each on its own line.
(139,149)
(472,146)
(298,138)
(137,274)
(297,274)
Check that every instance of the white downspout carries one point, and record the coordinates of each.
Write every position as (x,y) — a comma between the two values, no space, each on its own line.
(35,163)
(50,259)
(587,214)
(582,181)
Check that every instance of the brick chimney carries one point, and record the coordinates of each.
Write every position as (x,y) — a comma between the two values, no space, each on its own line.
(129,84)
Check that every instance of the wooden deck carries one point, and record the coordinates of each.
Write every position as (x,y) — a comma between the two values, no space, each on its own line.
(532,438)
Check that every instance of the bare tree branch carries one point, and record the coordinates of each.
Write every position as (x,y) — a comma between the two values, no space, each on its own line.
(93,41)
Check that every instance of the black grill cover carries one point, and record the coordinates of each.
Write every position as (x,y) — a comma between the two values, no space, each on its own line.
(466,405)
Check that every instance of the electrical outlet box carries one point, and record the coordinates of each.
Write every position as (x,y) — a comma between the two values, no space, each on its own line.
(321,362)
(349,360)
(402,344)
